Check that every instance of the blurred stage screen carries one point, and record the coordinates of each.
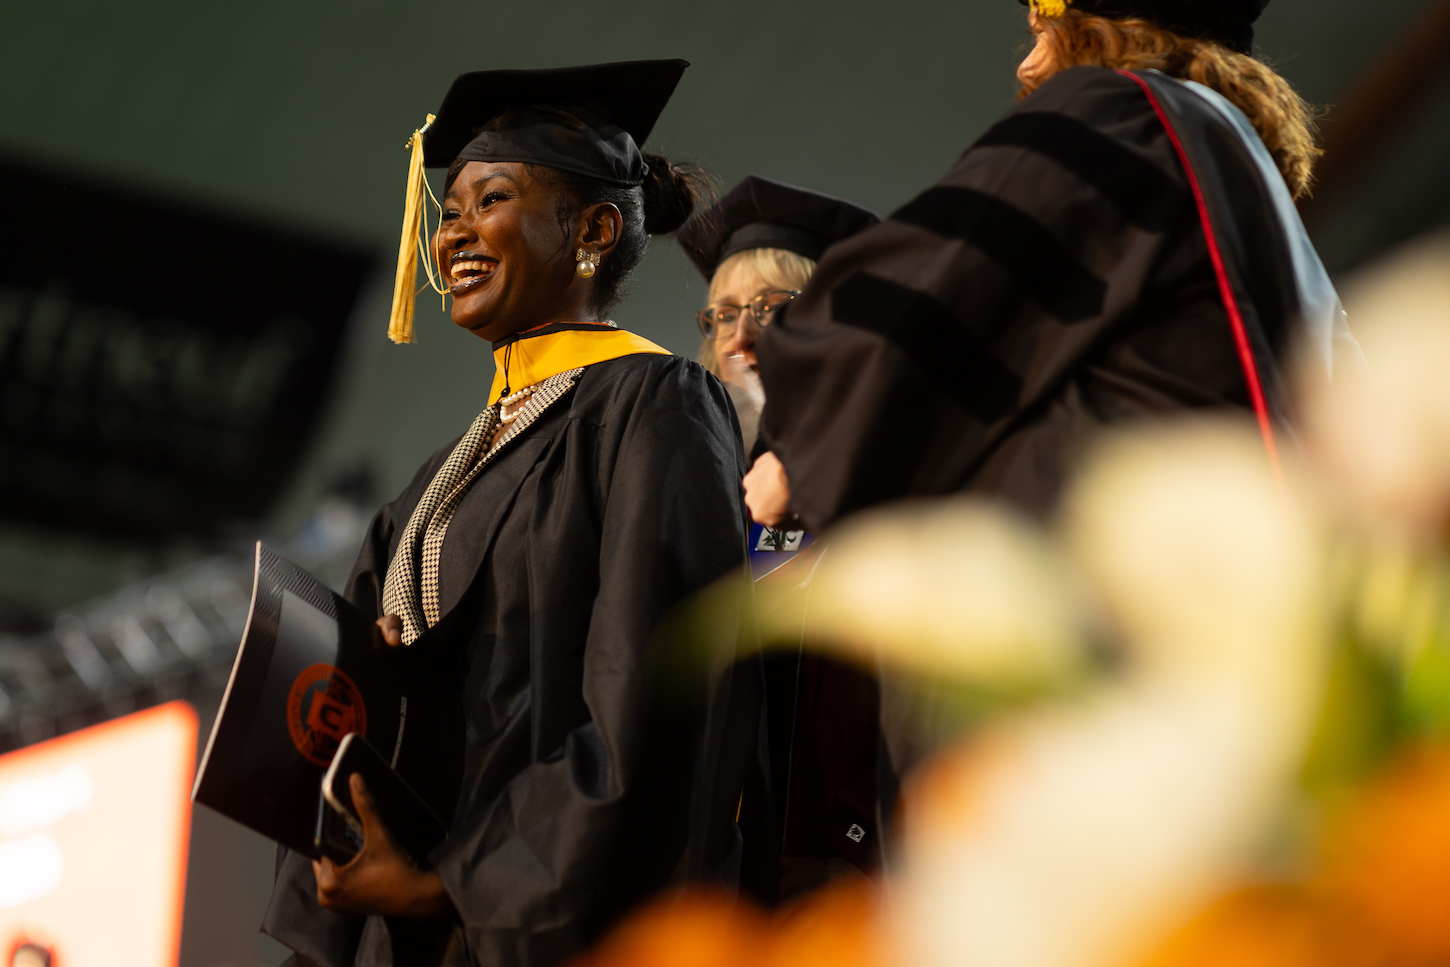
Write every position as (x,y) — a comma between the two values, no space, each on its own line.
(93,838)
(160,366)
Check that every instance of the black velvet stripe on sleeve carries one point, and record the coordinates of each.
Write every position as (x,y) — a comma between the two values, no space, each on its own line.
(1043,267)
(1146,194)
(953,358)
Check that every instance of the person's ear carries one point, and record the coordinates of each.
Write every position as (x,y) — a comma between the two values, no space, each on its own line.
(600,228)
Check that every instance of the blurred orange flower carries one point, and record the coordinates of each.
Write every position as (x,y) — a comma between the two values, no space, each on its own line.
(688,930)
(834,927)
(838,926)
(1381,897)
(1260,926)
(1385,884)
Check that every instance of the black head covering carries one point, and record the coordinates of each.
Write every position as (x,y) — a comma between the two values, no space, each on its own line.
(1228,22)
(761,213)
(589,120)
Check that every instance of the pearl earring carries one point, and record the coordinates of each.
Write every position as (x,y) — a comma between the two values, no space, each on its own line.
(588,264)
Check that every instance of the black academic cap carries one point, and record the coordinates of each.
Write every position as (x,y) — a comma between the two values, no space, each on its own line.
(1228,22)
(589,120)
(761,213)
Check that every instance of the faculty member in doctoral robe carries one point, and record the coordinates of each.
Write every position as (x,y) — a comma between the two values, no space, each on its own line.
(599,488)
(1122,244)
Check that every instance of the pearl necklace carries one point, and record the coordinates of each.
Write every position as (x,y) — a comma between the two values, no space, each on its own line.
(510,400)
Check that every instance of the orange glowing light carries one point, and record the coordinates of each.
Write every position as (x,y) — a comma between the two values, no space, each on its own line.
(93,838)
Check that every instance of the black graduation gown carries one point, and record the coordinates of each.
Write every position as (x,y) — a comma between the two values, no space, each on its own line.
(588,783)
(1057,278)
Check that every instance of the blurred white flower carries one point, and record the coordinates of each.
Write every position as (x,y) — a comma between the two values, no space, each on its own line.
(954,589)
(1076,836)
(1379,439)
(1202,564)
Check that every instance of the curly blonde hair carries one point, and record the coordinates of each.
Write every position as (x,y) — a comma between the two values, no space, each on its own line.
(1284,120)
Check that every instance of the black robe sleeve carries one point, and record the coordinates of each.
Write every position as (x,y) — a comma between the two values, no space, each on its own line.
(1054,279)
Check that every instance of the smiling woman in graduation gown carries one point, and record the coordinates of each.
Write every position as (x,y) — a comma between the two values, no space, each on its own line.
(542,550)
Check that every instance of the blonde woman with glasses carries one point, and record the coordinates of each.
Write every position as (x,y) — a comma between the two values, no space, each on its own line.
(757,248)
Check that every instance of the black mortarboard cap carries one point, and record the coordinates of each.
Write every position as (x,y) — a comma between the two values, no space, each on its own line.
(1228,22)
(761,213)
(588,120)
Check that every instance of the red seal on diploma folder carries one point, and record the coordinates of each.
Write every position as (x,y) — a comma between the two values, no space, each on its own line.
(323,705)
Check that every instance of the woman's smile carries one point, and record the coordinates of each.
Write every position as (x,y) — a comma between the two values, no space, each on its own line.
(468,270)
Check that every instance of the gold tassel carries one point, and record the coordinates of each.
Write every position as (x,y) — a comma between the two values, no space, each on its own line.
(1051,8)
(400,320)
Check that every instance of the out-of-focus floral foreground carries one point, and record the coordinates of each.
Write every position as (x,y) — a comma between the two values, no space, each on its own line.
(1202,717)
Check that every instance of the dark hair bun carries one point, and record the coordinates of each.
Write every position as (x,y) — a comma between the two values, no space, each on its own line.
(672,192)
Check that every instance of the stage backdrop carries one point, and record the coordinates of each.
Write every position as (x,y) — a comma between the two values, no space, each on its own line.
(160,365)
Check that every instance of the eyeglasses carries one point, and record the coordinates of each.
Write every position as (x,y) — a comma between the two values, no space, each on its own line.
(719,321)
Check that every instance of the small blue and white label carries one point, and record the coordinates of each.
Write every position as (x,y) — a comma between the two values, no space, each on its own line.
(779,541)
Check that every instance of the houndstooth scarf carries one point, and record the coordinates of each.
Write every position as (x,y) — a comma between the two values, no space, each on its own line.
(410,589)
